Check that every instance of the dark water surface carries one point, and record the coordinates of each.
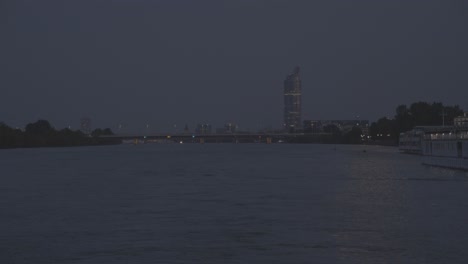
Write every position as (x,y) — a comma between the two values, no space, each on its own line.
(229,203)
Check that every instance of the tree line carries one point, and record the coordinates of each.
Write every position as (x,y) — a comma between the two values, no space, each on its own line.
(42,134)
(417,114)
(386,130)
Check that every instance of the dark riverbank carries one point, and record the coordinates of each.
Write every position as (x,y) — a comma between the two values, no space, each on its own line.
(42,134)
(337,139)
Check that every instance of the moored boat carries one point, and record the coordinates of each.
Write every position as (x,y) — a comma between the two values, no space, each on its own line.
(411,142)
(448,150)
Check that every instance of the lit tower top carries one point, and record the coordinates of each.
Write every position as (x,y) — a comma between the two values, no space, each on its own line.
(292,101)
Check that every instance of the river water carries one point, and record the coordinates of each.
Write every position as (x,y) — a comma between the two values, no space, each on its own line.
(229,203)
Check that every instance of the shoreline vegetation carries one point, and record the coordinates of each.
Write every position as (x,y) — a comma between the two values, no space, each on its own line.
(386,131)
(42,134)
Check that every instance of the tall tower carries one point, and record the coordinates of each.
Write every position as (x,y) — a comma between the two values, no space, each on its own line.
(292,101)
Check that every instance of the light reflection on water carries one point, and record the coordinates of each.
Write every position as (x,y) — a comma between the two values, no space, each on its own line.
(229,203)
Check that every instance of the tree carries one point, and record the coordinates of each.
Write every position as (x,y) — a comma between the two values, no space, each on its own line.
(403,119)
(331,128)
(100,132)
(10,137)
(107,132)
(96,132)
(422,114)
(353,136)
(384,129)
(40,127)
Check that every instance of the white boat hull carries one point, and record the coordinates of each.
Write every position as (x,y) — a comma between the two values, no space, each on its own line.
(446,162)
(448,150)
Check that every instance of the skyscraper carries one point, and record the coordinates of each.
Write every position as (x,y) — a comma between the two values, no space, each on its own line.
(292,101)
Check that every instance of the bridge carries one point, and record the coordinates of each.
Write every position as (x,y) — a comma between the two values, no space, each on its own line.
(226,138)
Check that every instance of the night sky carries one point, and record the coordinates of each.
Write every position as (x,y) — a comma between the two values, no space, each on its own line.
(166,62)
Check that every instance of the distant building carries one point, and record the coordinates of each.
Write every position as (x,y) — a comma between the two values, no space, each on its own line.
(203,129)
(319,126)
(292,101)
(229,128)
(461,121)
(313,126)
(85,125)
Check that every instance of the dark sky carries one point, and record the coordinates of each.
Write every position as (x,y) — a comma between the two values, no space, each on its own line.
(166,62)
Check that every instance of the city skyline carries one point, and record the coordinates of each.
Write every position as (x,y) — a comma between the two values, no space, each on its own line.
(175,62)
